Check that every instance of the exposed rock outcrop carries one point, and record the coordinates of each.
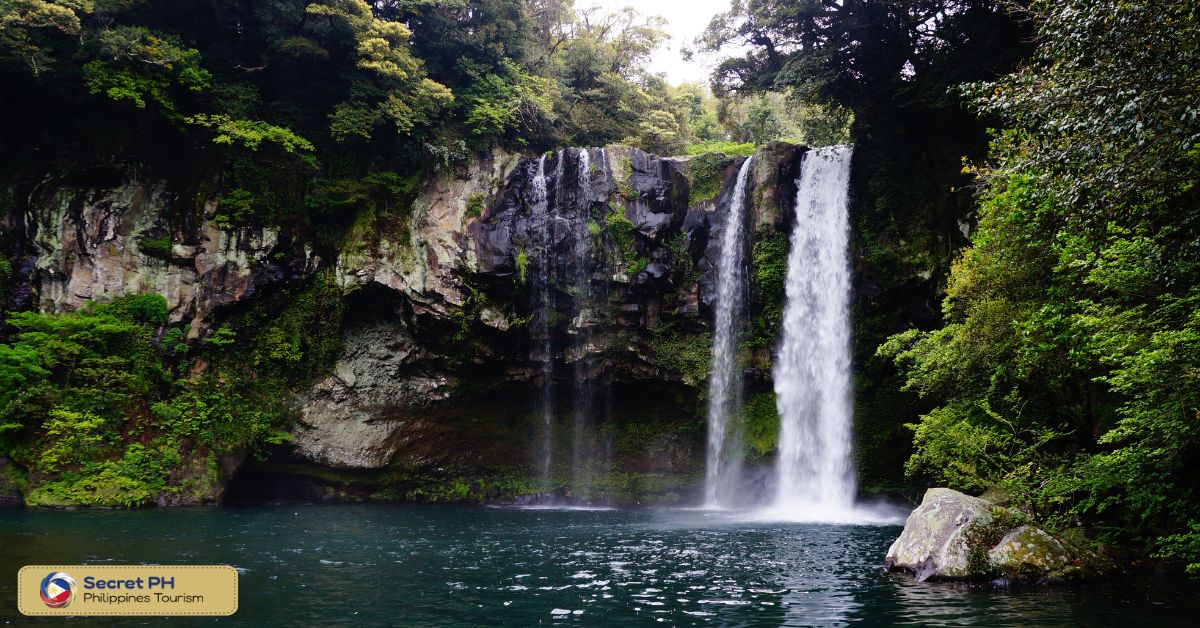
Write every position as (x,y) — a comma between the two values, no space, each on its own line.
(474,245)
(100,244)
(953,536)
(936,539)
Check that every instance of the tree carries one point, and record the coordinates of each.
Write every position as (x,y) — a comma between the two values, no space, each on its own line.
(25,24)
(1072,344)
(392,85)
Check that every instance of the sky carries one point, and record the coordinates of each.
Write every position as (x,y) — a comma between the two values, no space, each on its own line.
(686,19)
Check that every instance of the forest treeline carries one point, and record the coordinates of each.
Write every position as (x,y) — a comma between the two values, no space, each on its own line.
(330,99)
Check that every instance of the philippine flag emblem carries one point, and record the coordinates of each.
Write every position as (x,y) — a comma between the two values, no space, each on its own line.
(58,589)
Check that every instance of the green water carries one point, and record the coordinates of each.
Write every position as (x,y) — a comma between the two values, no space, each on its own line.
(334,565)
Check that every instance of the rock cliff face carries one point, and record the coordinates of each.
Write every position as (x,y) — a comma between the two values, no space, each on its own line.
(573,265)
(99,244)
(580,267)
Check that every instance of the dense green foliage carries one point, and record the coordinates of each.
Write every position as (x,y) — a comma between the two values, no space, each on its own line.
(308,109)
(708,173)
(1068,370)
(768,277)
(100,408)
(689,355)
(624,236)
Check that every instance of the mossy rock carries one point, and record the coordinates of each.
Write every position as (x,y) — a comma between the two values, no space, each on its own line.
(1029,552)
(953,536)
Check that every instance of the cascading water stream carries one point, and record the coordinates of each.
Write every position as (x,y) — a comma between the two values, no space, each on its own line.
(561,215)
(725,380)
(812,370)
(540,215)
(584,394)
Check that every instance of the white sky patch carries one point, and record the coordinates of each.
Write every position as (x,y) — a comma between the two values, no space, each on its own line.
(686,20)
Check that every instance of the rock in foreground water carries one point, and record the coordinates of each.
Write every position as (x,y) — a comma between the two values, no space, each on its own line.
(953,536)
(934,541)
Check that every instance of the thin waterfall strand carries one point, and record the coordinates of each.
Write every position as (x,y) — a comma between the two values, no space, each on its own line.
(540,213)
(812,371)
(725,381)
(582,450)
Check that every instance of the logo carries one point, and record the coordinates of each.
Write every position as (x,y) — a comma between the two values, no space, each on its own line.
(58,589)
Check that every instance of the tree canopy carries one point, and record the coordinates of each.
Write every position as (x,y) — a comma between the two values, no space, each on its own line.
(1068,371)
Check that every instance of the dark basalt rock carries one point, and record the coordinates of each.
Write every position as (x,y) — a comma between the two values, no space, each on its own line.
(662,193)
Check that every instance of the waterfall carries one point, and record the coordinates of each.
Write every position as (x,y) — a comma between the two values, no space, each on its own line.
(543,308)
(812,371)
(725,379)
(561,284)
(581,289)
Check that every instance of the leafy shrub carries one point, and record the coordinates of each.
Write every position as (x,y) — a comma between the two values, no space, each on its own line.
(768,277)
(688,354)
(475,205)
(707,174)
(722,146)
(624,235)
(155,247)
(760,423)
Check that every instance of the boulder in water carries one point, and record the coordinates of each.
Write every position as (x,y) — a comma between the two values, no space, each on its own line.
(934,543)
(953,536)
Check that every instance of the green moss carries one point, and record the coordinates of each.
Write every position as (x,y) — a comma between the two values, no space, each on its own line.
(768,276)
(475,205)
(12,477)
(687,354)
(624,236)
(471,488)
(424,486)
(644,487)
(655,435)
(760,423)
(706,175)
(982,537)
